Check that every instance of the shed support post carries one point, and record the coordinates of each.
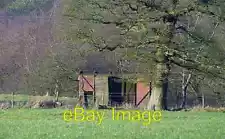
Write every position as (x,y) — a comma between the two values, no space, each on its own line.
(94,90)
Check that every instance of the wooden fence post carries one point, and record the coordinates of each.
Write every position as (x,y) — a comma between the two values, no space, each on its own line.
(12,101)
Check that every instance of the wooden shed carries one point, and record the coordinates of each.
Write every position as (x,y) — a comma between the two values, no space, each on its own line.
(111,90)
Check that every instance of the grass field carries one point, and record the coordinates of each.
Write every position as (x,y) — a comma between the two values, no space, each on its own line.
(49,124)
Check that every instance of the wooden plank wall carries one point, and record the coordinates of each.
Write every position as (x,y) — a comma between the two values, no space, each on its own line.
(101,90)
(142,89)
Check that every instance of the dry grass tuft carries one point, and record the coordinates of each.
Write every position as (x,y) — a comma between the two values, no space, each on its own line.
(208,109)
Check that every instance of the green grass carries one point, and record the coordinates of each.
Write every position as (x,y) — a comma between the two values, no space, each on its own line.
(49,124)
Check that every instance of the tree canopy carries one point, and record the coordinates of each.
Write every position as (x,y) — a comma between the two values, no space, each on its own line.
(173,32)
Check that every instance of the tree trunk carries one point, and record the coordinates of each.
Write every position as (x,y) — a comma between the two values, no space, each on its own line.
(184,88)
(184,101)
(199,93)
(56,91)
(6,18)
(203,100)
(158,99)
(177,99)
(57,96)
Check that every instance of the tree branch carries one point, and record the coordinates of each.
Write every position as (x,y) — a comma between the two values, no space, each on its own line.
(203,41)
(151,4)
(107,47)
(203,10)
(197,67)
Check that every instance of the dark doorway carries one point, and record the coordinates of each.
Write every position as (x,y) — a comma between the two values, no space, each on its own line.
(85,100)
(115,91)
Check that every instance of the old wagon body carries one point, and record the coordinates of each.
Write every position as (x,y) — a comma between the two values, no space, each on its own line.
(112,90)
